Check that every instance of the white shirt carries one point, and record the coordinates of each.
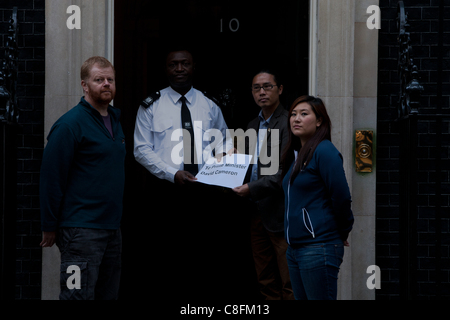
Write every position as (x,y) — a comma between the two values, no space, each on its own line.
(159,124)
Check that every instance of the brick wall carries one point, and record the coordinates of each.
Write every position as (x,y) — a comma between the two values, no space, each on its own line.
(432,56)
(30,142)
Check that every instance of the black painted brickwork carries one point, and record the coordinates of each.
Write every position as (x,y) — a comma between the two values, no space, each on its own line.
(30,142)
(429,57)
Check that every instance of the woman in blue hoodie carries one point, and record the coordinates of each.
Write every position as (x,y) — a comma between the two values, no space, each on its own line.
(318,215)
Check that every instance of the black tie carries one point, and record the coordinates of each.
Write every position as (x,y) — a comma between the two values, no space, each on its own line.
(189,149)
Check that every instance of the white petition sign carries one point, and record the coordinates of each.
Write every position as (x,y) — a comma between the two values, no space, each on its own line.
(229,173)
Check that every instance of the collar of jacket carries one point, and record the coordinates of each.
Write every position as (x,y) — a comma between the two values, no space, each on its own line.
(114,112)
(273,121)
(278,112)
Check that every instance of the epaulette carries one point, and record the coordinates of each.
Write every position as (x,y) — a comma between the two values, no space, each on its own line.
(150,100)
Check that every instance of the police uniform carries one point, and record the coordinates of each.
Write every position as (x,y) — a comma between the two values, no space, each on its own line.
(187,221)
(158,120)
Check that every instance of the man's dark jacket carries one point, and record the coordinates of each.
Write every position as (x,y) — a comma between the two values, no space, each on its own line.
(267,191)
(82,174)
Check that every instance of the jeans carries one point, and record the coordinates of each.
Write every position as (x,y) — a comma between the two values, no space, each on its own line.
(314,270)
(96,257)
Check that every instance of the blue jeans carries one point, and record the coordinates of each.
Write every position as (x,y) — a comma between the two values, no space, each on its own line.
(314,270)
(97,256)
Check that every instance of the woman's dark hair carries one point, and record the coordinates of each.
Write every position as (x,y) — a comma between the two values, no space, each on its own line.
(306,152)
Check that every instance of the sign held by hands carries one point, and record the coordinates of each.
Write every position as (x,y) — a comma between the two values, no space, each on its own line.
(229,172)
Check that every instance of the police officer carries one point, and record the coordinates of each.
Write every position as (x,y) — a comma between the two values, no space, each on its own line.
(162,114)
(184,212)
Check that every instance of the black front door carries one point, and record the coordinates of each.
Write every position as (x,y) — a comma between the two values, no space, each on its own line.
(231,41)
